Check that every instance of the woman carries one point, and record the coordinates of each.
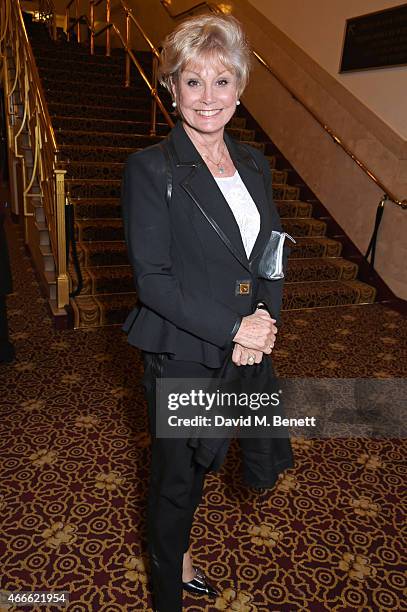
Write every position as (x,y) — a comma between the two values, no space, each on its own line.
(198,213)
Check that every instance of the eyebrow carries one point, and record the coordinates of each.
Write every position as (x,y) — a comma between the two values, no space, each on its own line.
(197,73)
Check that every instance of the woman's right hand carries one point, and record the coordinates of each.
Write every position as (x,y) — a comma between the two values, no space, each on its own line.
(257,331)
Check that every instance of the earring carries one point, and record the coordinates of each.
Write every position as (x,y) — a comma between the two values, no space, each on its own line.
(237,102)
(174,104)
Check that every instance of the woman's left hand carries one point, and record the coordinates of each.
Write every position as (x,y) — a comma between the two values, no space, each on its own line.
(241,355)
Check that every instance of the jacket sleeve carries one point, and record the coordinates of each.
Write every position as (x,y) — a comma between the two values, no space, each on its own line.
(271,292)
(148,236)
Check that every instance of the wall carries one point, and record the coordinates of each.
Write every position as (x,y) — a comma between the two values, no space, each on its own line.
(317,27)
(349,195)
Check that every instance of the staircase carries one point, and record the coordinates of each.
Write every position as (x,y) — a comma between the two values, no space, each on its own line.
(98,123)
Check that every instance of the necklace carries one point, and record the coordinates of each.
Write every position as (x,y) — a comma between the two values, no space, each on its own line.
(218,164)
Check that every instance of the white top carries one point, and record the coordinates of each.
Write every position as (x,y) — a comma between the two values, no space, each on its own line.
(243,208)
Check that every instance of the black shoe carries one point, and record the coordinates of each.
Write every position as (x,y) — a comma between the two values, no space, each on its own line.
(200,585)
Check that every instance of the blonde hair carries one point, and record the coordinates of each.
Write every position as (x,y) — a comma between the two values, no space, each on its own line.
(216,36)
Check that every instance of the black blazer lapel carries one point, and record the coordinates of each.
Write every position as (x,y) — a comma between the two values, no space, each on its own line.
(253,178)
(201,187)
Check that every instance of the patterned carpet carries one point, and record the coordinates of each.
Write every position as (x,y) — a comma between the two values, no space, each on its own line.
(74,461)
(98,123)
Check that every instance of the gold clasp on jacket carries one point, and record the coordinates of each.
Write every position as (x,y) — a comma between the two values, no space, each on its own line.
(243,287)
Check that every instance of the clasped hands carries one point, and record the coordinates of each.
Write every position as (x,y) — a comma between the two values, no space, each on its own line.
(256,336)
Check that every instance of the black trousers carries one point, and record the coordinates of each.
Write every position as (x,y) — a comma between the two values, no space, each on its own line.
(175,491)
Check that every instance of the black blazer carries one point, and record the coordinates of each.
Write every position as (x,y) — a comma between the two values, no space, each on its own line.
(187,275)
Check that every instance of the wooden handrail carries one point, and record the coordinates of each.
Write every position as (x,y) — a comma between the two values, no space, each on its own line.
(42,175)
(38,85)
(389,195)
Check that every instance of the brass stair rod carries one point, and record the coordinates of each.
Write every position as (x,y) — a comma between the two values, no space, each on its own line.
(144,77)
(108,29)
(127,60)
(92,27)
(153,128)
(140,29)
(335,138)
(78,25)
(67,19)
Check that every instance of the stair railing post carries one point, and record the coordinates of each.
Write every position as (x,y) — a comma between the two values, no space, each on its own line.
(78,25)
(127,77)
(108,28)
(92,27)
(62,276)
(54,23)
(68,34)
(153,127)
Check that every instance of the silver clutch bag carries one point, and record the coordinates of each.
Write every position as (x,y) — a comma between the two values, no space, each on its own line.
(271,263)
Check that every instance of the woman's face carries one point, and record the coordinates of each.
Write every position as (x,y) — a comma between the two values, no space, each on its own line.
(206,95)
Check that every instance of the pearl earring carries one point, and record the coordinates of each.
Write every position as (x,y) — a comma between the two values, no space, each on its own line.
(237,102)
(174,104)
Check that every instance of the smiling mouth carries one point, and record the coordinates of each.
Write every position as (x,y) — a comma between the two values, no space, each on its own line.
(208,113)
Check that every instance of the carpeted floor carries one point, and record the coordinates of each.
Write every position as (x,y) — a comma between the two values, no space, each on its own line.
(74,460)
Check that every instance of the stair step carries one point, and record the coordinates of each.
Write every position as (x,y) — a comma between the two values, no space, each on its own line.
(293,208)
(103,170)
(60,65)
(61,96)
(105,309)
(109,279)
(326,293)
(97,154)
(63,57)
(120,279)
(92,254)
(320,268)
(93,208)
(315,247)
(102,112)
(106,126)
(112,228)
(285,192)
(97,88)
(135,141)
(97,230)
(62,49)
(303,227)
(91,77)
(110,253)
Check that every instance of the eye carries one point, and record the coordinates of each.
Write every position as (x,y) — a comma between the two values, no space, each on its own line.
(192,82)
(222,82)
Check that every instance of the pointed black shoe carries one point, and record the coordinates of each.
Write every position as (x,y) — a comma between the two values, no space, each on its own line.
(200,585)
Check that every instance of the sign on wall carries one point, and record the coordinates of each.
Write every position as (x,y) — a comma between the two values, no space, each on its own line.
(375,40)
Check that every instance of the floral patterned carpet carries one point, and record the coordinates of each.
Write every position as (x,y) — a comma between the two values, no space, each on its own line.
(74,462)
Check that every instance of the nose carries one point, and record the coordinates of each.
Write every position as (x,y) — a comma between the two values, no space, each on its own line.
(207,95)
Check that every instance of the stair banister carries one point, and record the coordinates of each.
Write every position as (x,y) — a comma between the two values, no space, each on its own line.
(45,172)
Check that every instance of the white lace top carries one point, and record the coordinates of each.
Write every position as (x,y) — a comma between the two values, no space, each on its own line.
(243,208)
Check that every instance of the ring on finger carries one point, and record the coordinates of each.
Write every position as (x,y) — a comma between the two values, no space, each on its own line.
(251,359)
